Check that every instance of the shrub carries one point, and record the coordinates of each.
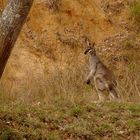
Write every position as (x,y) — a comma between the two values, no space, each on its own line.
(127,44)
(135,12)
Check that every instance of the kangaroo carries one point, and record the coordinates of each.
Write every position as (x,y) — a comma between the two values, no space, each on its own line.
(104,79)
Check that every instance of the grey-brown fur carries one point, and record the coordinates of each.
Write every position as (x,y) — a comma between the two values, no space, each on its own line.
(104,79)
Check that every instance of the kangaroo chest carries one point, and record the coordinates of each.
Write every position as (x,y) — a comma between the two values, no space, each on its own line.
(94,61)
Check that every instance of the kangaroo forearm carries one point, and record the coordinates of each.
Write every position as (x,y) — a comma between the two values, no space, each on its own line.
(88,81)
(89,78)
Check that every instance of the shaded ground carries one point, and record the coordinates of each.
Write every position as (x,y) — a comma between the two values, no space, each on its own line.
(70,122)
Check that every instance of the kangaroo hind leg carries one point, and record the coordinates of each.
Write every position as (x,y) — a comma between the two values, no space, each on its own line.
(101,89)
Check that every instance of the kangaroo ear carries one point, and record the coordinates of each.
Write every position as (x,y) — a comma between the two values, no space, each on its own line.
(93,48)
(87,41)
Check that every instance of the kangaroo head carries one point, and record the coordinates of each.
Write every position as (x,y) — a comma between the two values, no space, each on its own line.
(89,47)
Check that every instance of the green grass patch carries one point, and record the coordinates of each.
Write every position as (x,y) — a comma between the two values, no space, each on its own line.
(103,129)
(53,136)
(127,44)
(11,134)
(79,121)
(135,12)
(134,125)
(76,111)
(135,109)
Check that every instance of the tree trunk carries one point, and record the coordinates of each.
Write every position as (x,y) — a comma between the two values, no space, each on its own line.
(11,22)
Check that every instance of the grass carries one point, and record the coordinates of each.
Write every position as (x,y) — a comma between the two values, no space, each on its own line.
(127,44)
(10,133)
(46,122)
(134,125)
(53,136)
(76,111)
(135,12)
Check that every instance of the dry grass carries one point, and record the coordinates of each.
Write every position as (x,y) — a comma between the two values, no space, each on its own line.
(129,86)
(67,81)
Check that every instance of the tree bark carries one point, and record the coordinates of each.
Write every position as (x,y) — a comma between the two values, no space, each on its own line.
(11,22)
